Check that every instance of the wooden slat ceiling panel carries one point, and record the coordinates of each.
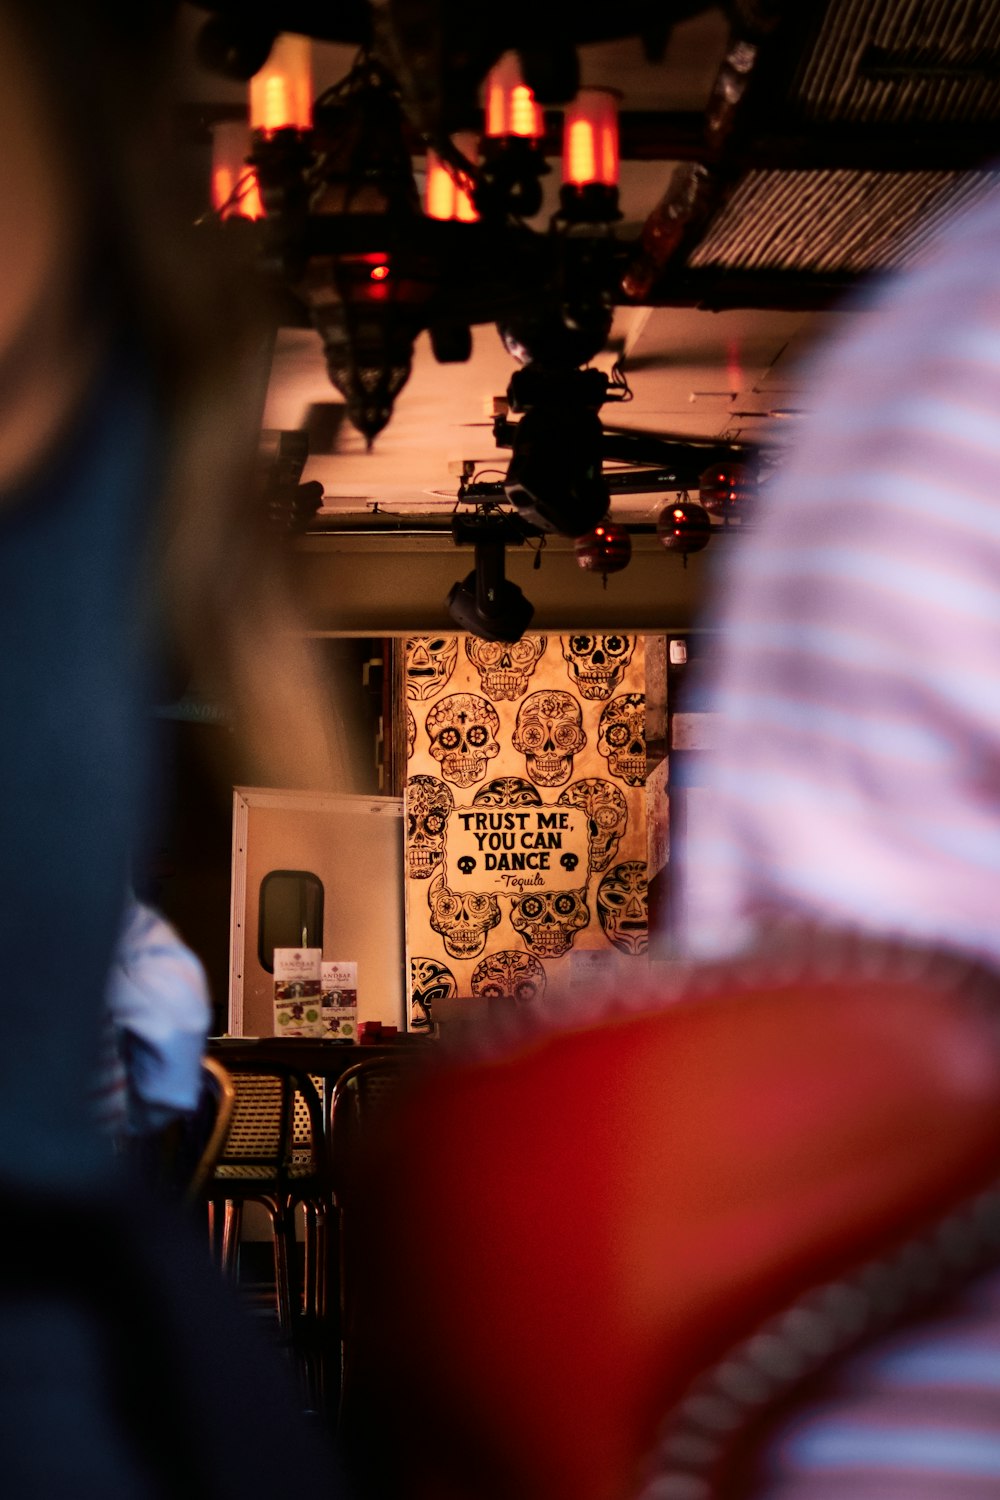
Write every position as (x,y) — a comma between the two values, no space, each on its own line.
(952,48)
(833,221)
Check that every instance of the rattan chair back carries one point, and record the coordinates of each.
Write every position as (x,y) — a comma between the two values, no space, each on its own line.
(218,1087)
(360,1098)
(275,1134)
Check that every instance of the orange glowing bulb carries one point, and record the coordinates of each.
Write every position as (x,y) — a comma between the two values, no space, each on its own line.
(234,183)
(281,91)
(444,198)
(510,104)
(439,199)
(580,148)
(590,139)
(522,111)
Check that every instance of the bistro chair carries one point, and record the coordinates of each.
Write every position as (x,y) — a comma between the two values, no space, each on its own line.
(315,1205)
(218,1098)
(273,1155)
(361,1101)
(178,1160)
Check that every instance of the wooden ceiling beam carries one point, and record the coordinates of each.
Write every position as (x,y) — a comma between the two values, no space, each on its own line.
(774,289)
(679,136)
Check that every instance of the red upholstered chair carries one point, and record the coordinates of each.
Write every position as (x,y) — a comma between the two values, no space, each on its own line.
(561,1238)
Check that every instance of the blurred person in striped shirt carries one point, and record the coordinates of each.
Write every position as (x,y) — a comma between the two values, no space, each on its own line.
(158,1015)
(855,784)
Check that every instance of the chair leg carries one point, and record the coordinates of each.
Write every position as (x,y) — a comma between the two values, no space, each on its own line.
(322,1277)
(214,1209)
(312,1333)
(283,1234)
(316,1257)
(309,1261)
(232,1225)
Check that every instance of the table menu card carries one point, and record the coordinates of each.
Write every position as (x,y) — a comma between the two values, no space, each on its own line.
(297,1005)
(339,999)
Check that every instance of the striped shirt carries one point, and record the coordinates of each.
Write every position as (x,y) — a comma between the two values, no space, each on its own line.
(856,780)
(914,1417)
(158,1012)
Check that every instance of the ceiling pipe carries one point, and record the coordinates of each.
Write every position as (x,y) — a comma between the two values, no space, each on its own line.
(349,526)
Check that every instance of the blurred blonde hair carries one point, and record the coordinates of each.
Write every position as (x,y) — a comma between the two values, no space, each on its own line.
(200,318)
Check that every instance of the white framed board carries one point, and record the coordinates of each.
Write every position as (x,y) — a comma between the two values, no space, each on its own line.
(354,845)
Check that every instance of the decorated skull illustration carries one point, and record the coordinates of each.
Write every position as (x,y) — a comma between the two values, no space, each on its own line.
(509,975)
(462,918)
(429,663)
(411,732)
(504,667)
(430,980)
(596,663)
(507,791)
(463,729)
(622,737)
(428,803)
(607,816)
(548,921)
(622,906)
(548,733)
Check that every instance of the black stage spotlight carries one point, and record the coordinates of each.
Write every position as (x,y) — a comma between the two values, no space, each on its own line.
(554,478)
(486,603)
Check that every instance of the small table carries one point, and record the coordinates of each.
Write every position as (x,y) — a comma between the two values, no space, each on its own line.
(318,1347)
(313,1054)
(317,1057)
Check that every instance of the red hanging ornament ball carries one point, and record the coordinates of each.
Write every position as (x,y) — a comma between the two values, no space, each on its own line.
(684,527)
(727,489)
(606,549)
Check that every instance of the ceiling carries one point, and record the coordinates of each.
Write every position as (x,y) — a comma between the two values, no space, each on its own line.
(830,150)
(721,375)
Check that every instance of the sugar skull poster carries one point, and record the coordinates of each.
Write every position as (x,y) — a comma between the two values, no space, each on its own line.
(525,816)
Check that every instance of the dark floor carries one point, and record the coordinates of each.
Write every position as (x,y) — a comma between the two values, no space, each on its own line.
(313,1361)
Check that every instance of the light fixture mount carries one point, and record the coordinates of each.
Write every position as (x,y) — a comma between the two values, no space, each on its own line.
(485,603)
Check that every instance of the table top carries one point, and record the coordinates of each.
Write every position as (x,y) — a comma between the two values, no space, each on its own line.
(313,1055)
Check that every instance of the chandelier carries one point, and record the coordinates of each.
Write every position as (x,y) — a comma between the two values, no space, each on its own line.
(344,229)
(372,262)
